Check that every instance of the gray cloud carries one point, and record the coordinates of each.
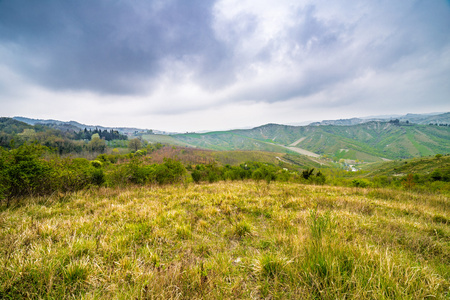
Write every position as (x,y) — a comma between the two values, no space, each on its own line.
(178,57)
(107,46)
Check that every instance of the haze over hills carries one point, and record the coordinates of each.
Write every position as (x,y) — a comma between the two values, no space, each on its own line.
(425,119)
(373,139)
(73,125)
(440,118)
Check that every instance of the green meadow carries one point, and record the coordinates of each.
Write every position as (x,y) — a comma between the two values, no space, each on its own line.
(227,240)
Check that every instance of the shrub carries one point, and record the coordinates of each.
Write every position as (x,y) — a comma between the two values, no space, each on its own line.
(258,175)
(141,152)
(73,174)
(306,174)
(361,183)
(319,178)
(96,164)
(137,172)
(171,171)
(98,177)
(196,176)
(23,172)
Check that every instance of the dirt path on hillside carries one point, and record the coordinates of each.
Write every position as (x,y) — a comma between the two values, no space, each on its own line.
(302,151)
(297,142)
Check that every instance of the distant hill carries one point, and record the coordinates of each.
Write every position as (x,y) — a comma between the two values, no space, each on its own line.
(372,141)
(357,139)
(11,126)
(75,126)
(427,119)
(424,119)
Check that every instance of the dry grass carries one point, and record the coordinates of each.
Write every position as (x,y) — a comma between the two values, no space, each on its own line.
(228,240)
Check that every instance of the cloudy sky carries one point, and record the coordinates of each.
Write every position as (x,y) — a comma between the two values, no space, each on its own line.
(189,65)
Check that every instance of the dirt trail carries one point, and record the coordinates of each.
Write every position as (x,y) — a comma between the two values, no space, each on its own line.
(302,151)
(297,142)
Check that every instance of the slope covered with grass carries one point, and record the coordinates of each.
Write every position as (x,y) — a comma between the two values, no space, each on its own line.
(227,240)
(369,141)
(420,166)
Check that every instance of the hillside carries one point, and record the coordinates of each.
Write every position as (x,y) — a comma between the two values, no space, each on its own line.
(423,119)
(75,126)
(371,141)
(423,166)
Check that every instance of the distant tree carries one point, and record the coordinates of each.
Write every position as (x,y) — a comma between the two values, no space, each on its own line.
(134,144)
(396,121)
(307,173)
(409,183)
(436,175)
(96,144)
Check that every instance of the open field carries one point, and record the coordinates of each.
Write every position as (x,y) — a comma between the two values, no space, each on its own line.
(227,240)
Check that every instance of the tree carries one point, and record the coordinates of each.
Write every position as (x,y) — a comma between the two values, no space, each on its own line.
(96,144)
(307,173)
(134,144)
(409,183)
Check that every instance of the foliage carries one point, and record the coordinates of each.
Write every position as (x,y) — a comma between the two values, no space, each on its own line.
(25,172)
(306,174)
(22,172)
(96,144)
(134,144)
(103,134)
(361,183)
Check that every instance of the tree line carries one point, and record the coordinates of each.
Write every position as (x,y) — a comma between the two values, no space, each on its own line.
(103,134)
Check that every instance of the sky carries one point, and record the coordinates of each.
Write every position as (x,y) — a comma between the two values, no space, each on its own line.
(195,65)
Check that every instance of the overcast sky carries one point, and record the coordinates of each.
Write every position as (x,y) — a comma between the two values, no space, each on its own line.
(189,65)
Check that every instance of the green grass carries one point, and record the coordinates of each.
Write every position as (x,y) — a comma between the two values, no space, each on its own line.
(228,240)
(423,166)
(422,149)
(163,139)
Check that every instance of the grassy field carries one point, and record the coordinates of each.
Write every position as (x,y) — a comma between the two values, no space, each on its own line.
(227,240)
(163,139)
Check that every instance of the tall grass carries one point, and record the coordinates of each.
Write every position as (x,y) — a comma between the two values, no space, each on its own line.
(227,240)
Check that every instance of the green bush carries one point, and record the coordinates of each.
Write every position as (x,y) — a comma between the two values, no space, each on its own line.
(96,164)
(73,174)
(137,172)
(97,177)
(319,178)
(171,171)
(196,176)
(23,172)
(361,183)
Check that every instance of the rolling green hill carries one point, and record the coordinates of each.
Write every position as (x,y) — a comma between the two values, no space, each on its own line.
(423,166)
(373,141)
